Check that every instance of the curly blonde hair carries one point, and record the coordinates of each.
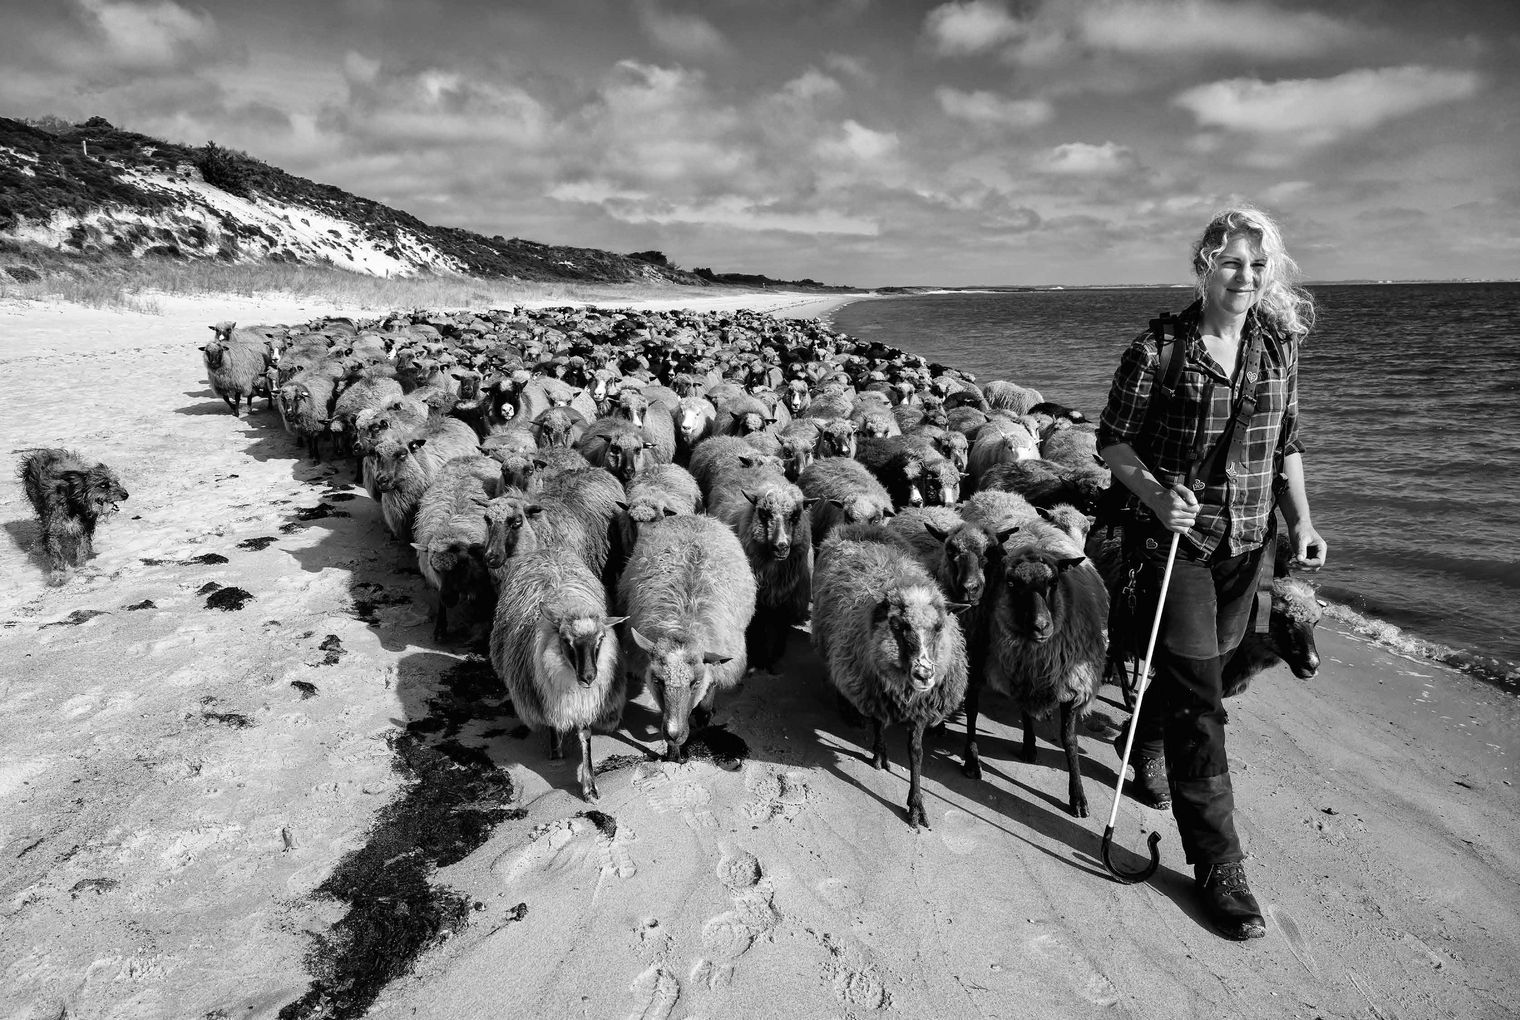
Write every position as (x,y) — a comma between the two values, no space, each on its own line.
(1283,302)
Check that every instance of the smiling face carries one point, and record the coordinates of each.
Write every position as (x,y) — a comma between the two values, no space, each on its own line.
(1238,275)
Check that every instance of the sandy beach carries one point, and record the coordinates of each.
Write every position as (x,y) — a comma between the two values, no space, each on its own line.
(240,693)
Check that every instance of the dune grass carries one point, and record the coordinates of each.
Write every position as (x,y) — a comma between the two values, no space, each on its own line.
(137,284)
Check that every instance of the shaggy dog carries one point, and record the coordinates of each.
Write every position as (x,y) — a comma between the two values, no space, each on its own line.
(69,495)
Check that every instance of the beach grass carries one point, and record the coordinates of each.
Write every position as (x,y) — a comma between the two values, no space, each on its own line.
(136,284)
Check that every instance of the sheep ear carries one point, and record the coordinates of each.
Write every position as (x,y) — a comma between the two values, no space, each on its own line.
(1005,534)
(419,547)
(714,659)
(887,513)
(622,506)
(1064,565)
(416,444)
(836,503)
(640,640)
(1045,513)
(811,501)
(755,500)
(670,511)
(939,533)
(533,510)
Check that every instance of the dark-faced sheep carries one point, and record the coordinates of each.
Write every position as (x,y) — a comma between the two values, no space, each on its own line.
(615,444)
(70,496)
(406,466)
(509,533)
(961,555)
(889,645)
(1045,647)
(844,493)
(449,531)
(770,516)
(553,647)
(690,595)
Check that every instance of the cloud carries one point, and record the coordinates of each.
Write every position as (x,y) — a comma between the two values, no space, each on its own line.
(988,108)
(858,143)
(1315,111)
(685,35)
(411,110)
(147,36)
(1080,159)
(1208,26)
(970,26)
(812,85)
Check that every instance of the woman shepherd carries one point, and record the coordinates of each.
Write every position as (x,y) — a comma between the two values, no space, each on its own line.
(1210,461)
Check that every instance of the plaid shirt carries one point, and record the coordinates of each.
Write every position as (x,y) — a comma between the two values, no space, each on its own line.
(1237,502)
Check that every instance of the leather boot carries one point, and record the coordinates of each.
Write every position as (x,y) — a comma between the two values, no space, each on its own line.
(1150,785)
(1227,899)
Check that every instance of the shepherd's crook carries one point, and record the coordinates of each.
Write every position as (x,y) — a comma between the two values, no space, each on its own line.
(1129,740)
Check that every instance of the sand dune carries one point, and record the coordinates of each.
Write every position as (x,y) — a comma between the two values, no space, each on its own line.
(230,748)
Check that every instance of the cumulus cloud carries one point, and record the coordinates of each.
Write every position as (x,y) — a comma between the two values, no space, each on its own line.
(1081,159)
(147,36)
(1210,26)
(857,143)
(970,26)
(685,35)
(1314,111)
(728,211)
(988,108)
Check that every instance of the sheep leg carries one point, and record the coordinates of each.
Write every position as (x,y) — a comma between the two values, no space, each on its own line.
(971,760)
(586,773)
(878,743)
(1029,752)
(916,814)
(440,619)
(1078,797)
(556,750)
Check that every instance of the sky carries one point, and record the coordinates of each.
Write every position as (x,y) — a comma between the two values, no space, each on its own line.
(862,142)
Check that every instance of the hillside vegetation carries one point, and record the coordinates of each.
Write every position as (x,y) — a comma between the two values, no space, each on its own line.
(95,190)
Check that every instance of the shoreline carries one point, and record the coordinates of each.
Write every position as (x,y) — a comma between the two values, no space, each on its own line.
(178,782)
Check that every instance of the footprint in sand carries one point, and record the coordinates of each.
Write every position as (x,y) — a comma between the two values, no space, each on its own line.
(669,790)
(776,794)
(861,987)
(558,847)
(964,833)
(655,993)
(1066,961)
(728,936)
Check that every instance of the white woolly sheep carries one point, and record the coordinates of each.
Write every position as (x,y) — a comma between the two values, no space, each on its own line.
(553,647)
(889,645)
(1006,396)
(237,366)
(689,595)
(405,466)
(575,511)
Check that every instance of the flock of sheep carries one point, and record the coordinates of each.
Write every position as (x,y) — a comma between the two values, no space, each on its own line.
(665,497)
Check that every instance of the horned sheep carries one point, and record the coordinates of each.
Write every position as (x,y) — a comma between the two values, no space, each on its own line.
(553,647)
(889,645)
(690,596)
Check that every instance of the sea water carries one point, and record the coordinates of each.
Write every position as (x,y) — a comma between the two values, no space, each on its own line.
(1409,401)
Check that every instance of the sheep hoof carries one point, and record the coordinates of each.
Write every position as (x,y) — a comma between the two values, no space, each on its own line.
(588,791)
(917,817)
(1078,808)
(971,768)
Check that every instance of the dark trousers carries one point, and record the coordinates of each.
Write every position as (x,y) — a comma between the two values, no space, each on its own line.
(1208,608)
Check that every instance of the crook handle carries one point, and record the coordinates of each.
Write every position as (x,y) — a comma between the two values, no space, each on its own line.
(1127,877)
